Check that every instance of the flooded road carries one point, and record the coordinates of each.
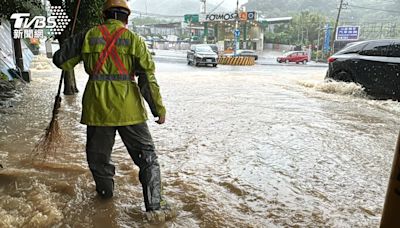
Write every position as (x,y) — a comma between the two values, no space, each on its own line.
(262,146)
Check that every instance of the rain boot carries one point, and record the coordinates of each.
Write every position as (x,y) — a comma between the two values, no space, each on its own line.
(105,188)
(165,213)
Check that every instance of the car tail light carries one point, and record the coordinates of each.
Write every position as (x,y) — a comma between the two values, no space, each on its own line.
(331,60)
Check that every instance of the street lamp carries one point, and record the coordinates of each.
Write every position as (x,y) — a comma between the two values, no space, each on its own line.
(203,10)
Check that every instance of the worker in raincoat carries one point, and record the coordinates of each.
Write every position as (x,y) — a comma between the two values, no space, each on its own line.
(113,101)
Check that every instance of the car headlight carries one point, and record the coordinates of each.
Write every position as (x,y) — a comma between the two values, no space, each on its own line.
(199,56)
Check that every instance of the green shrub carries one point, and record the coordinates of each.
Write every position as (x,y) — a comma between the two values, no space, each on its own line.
(3,76)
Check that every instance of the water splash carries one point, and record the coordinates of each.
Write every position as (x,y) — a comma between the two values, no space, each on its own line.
(335,87)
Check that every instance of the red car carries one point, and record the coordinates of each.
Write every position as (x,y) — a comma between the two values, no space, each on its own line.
(294,56)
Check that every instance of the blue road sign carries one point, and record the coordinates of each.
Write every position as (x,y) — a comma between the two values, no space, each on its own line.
(237,33)
(348,33)
(327,39)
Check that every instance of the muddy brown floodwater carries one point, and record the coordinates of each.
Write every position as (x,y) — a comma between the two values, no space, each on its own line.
(263,146)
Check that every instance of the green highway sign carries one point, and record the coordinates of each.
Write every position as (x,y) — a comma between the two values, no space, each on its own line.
(191,18)
(264,23)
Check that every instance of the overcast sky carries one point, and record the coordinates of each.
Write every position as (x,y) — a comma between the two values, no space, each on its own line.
(228,4)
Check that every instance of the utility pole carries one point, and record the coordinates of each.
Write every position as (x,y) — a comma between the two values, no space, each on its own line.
(19,61)
(24,74)
(336,25)
(236,28)
(245,35)
(190,31)
(203,10)
(318,42)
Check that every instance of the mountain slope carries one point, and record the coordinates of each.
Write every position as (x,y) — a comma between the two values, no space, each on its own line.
(358,10)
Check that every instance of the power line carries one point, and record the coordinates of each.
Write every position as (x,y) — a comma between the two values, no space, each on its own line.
(217,6)
(156,14)
(336,25)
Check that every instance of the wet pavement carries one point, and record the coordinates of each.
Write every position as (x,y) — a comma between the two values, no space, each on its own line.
(260,146)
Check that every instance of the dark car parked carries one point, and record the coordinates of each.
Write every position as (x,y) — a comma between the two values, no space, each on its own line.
(374,64)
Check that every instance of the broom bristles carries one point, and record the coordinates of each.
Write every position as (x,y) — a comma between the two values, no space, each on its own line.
(49,141)
(52,138)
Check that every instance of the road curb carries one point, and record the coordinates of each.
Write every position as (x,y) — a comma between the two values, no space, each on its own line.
(237,61)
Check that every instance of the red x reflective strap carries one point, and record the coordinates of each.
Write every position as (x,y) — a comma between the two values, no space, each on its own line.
(110,49)
(114,54)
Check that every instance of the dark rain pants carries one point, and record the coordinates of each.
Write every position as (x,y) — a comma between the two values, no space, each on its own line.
(139,143)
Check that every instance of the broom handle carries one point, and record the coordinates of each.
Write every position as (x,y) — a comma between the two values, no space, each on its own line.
(75,16)
(60,84)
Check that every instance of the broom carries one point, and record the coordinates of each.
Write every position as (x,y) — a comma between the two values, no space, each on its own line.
(52,138)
